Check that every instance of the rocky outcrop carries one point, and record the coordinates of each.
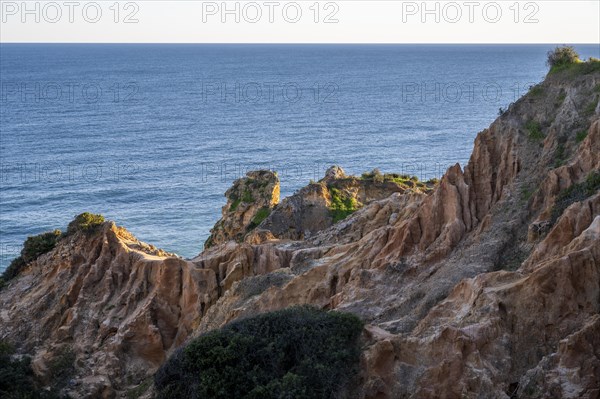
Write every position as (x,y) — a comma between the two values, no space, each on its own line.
(249,201)
(120,305)
(468,289)
(320,205)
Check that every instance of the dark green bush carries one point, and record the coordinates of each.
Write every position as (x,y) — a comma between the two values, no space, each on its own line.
(581,135)
(236,202)
(259,217)
(87,222)
(62,366)
(17,378)
(37,245)
(560,155)
(13,270)
(575,193)
(296,353)
(374,175)
(33,247)
(534,131)
(247,197)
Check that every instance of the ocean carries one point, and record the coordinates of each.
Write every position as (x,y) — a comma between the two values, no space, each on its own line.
(151,136)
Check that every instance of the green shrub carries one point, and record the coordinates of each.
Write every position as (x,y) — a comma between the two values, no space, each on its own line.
(33,247)
(86,222)
(340,214)
(591,66)
(296,353)
(577,68)
(560,155)
(403,180)
(247,197)
(396,178)
(17,378)
(526,193)
(37,245)
(536,90)
(580,136)
(259,217)
(209,242)
(62,366)
(562,56)
(534,131)
(235,204)
(13,270)
(374,175)
(575,193)
(341,206)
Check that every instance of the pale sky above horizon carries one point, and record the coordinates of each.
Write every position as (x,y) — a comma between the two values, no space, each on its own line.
(304,21)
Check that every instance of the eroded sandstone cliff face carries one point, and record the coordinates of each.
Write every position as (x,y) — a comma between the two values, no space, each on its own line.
(486,287)
(462,300)
(115,302)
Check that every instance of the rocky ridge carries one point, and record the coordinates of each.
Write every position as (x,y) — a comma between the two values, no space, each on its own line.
(477,289)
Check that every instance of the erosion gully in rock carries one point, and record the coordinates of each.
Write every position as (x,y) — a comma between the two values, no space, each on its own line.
(472,287)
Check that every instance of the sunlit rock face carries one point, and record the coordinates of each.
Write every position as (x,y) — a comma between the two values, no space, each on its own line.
(249,200)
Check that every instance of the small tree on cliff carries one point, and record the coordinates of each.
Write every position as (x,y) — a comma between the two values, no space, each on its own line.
(562,56)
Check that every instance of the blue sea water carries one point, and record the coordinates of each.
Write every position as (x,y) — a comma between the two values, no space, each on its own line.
(151,136)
